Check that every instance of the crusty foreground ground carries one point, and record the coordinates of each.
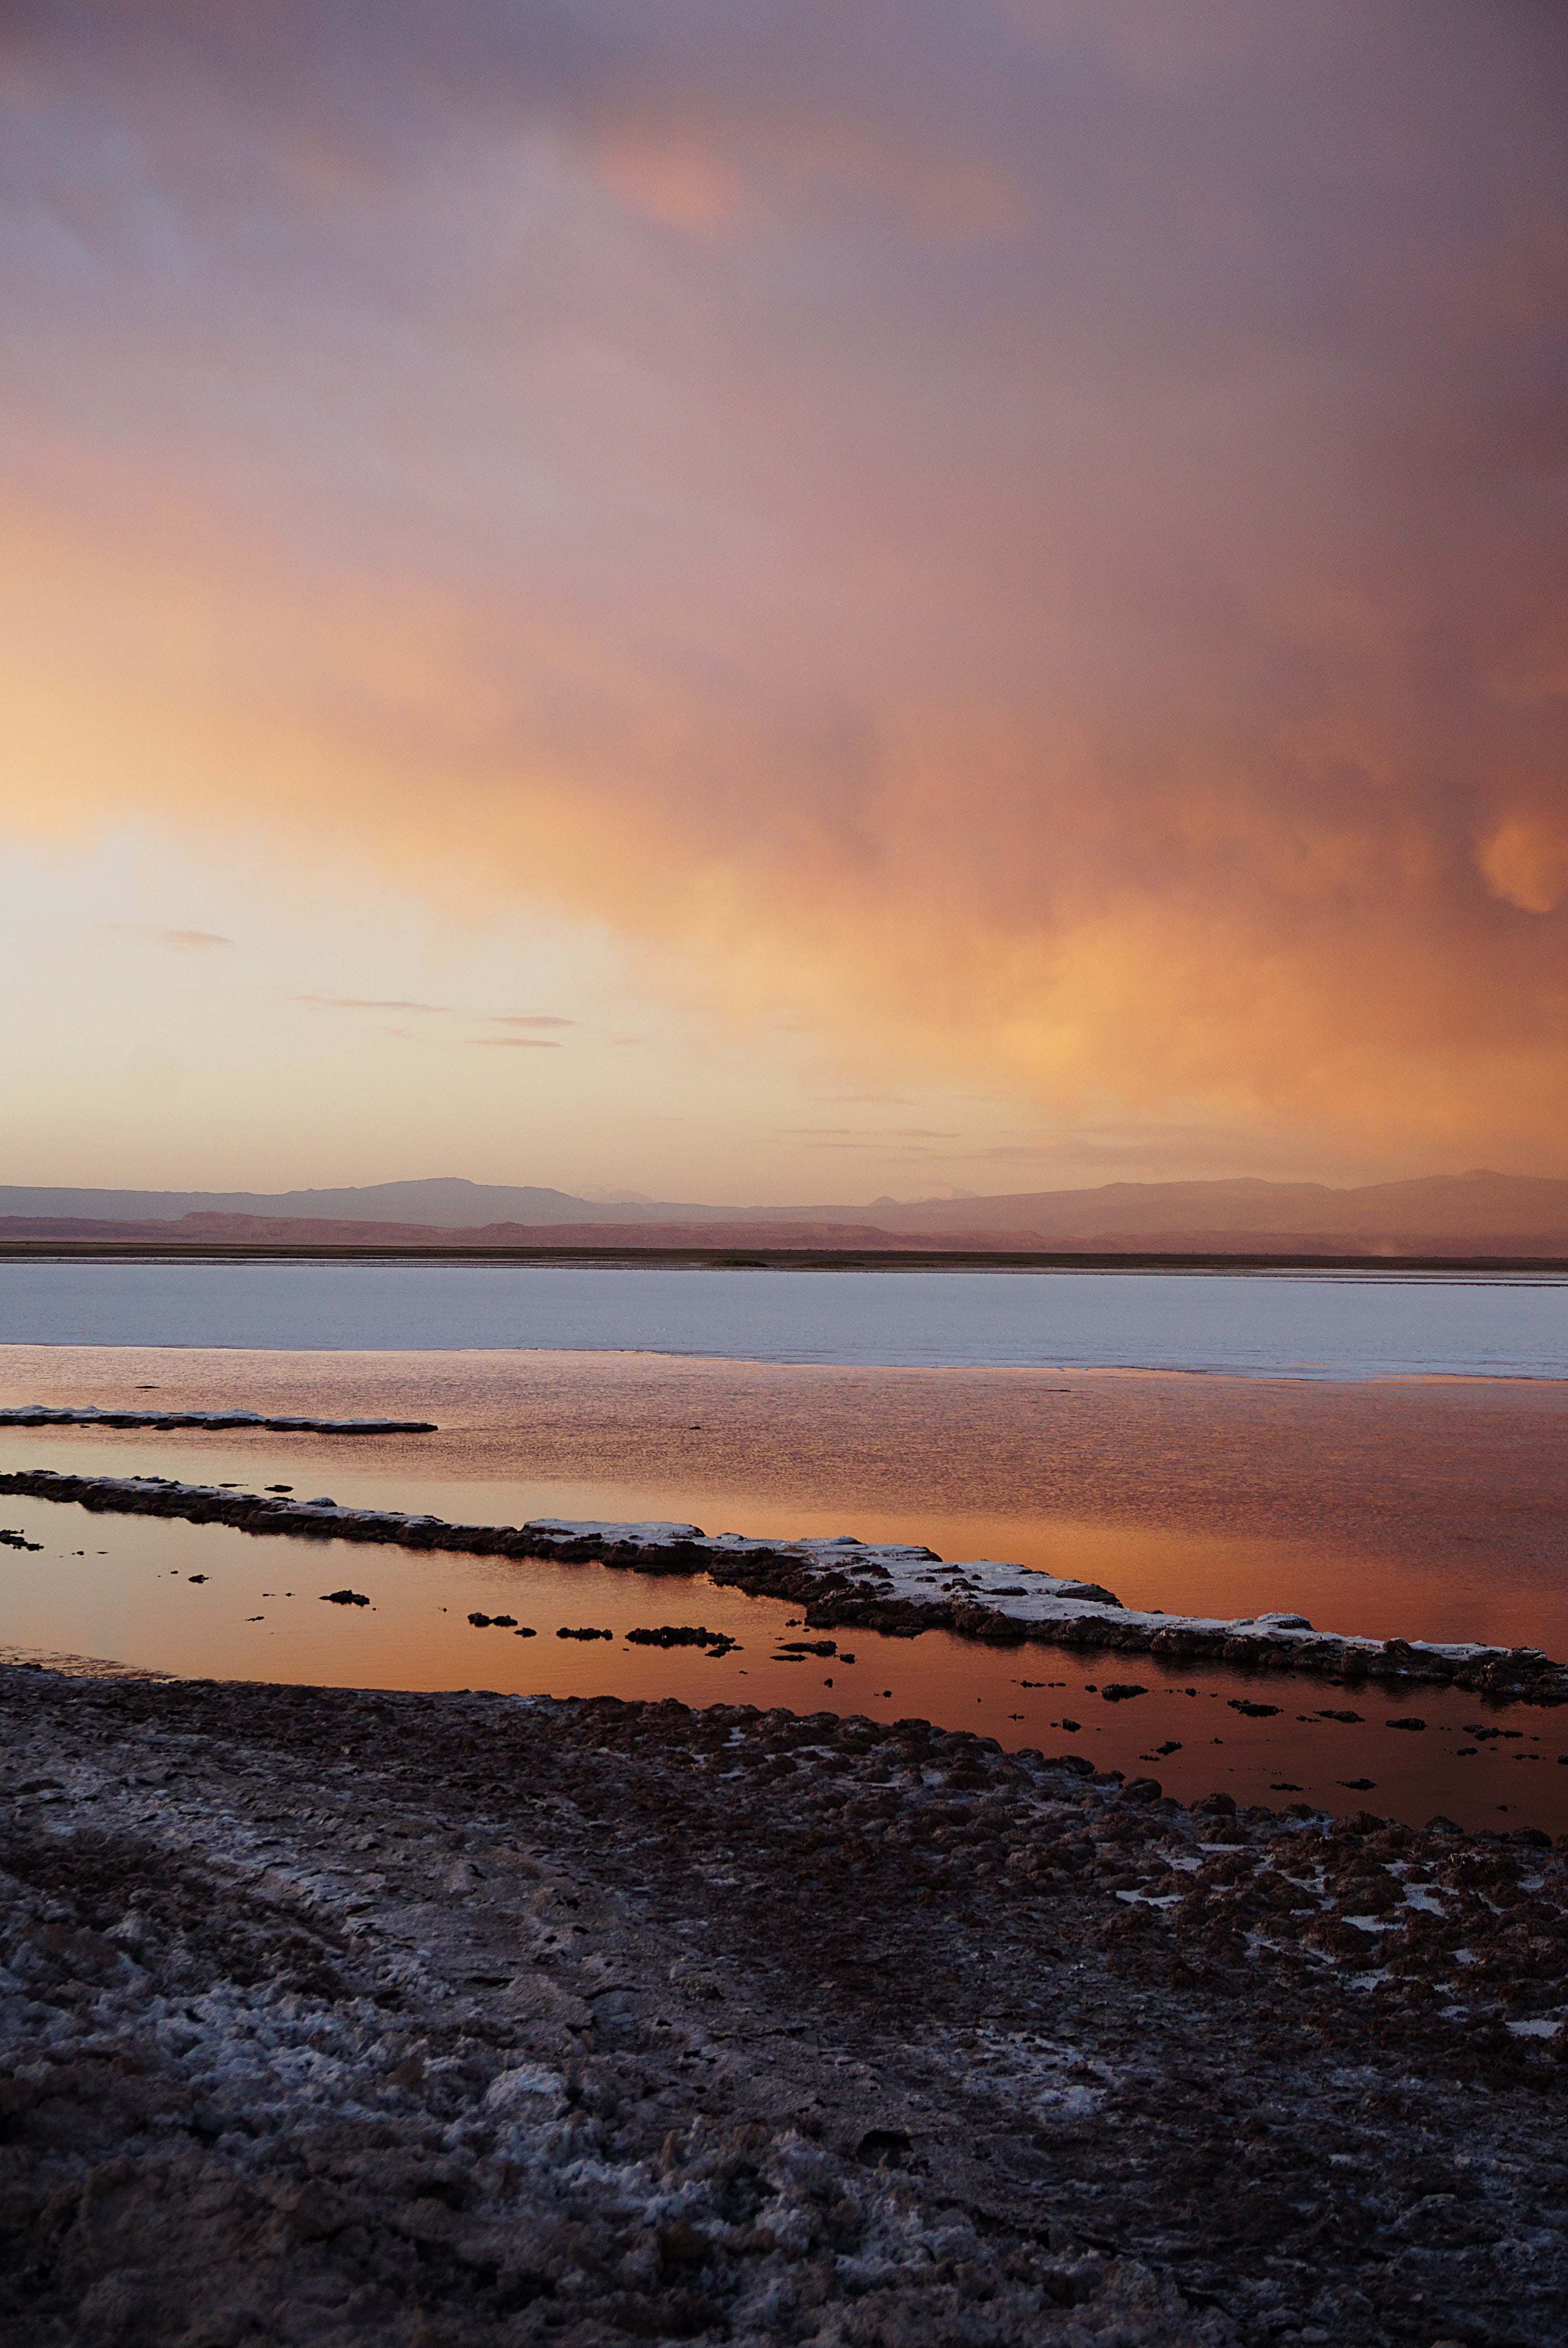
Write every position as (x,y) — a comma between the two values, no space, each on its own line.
(332,2017)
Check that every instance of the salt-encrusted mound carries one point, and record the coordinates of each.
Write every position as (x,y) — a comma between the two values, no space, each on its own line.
(844,1583)
(36,1414)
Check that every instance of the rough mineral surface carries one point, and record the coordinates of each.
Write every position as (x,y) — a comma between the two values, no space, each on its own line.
(86,1415)
(424,2021)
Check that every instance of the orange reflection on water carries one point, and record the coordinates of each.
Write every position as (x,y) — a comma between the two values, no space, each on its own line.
(204,1601)
(1430,1509)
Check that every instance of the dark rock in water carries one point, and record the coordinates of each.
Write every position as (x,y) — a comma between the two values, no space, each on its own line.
(1171,1745)
(1244,1705)
(343,1598)
(564,1634)
(504,1621)
(1358,1785)
(808,1646)
(1350,1719)
(523,1632)
(1411,1722)
(1214,1806)
(1071,1727)
(680,1634)
(481,1621)
(1120,1691)
(196,1577)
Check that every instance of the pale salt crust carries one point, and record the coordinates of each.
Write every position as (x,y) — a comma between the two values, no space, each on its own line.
(1019,1593)
(1025,1594)
(41,1414)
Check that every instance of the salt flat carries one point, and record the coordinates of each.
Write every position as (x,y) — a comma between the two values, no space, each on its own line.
(1307,1325)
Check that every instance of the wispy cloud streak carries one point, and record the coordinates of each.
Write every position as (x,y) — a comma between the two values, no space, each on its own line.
(187,941)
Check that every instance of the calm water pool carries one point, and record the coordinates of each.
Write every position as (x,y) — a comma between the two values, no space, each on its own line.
(211,1602)
(1435,1509)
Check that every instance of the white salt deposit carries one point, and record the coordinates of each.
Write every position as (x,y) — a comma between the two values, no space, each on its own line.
(1316,1325)
(36,1413)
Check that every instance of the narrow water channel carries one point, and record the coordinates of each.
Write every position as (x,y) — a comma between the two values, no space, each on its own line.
(208,1602)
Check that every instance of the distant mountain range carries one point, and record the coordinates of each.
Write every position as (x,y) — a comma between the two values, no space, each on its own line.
(1476,1213)
(446,1201)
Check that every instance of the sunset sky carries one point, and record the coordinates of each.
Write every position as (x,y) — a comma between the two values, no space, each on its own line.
(782,602)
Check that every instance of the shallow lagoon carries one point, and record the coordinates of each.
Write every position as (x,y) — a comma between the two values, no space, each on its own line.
(209,1602)
(1424,1506)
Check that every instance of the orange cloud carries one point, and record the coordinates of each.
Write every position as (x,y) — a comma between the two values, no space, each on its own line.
(1049,579)
(1525,862)
(678,184)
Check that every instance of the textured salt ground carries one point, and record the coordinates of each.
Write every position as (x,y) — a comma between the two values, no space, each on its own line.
(342,2018)
(217,1421)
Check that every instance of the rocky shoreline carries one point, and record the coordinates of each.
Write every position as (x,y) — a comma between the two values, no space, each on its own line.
(432,2021)
(847,1584)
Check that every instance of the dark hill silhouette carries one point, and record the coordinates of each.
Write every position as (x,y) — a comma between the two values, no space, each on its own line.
(446,1201)
(1461,1207)
(1479,1213)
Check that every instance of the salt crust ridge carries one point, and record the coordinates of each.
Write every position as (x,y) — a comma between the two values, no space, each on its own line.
(44,1415)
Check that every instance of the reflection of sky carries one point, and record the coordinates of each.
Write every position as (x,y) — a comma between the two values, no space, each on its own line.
(1436,1508)
(258,1614)
(1010,550)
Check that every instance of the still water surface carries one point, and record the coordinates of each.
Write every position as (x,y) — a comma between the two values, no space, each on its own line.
(1423,1508)
(209,1602)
